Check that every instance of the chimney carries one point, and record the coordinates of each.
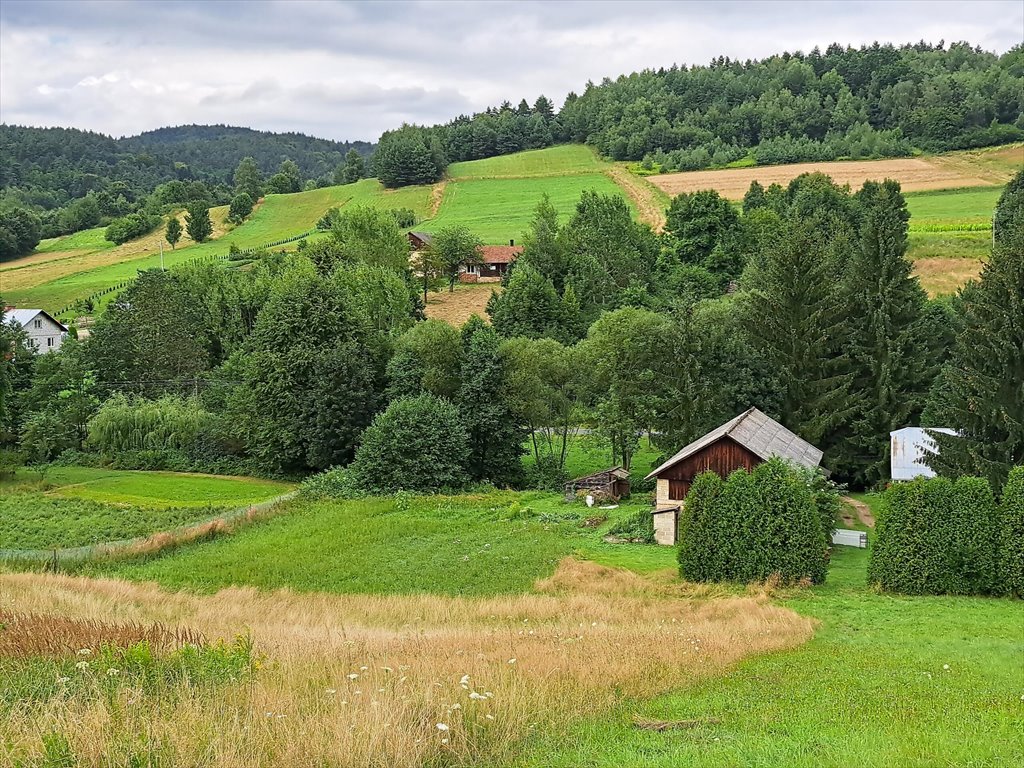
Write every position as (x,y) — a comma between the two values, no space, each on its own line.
(512,243)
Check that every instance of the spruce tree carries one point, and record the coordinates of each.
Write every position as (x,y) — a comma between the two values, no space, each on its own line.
(173,232)
(796,319)
(197,221)
(886,338)
(542,247)
(980,393)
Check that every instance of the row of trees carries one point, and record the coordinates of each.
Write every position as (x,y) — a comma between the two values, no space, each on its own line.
(872,101)
(602,323)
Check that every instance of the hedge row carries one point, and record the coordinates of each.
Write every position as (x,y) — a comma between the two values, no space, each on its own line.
(752,526)
(940,537)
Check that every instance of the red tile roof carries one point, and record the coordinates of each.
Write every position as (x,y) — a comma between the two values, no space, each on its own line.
(499,254)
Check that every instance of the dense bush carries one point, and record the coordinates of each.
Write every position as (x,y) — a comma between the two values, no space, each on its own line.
(127,424)
(935,536)
(130,227)
(404,217)
(241,206)
(637,528)
(416,444)
(752,526)
(1011,549)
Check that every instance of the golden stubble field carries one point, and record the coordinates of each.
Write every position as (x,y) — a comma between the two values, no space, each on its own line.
(978,168)
(402,680)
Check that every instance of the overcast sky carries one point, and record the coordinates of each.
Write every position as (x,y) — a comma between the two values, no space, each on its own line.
(350,70)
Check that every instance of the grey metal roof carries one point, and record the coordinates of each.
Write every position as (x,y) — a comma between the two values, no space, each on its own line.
(759,434)
(25,316)
(426,237)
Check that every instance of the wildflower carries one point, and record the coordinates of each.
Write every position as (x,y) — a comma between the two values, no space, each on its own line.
(363,669)
(269,714)
(113,672)
(464,681)
(444,741)
(489,717)
(389,670)
(442,727)
(465,558)
(454,706)
(353,676)
(511,661)
(477,697)
(945,666)
(68,680)
(85,652)
(82,665)
(489,695)
(331,691)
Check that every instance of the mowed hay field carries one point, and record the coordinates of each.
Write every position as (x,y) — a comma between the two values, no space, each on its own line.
(979,168)
(456,307)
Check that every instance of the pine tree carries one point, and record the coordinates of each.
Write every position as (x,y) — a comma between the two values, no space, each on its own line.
(886,338)
(795,317)
(980,392)
(542,248)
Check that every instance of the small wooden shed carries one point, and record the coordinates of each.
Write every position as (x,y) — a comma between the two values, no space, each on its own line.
(741,443)
(611,483)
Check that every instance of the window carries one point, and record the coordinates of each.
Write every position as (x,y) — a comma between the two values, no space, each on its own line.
(38,323)
(49,341)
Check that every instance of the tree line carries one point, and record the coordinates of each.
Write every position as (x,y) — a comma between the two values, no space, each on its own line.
(844,102)
(803,304)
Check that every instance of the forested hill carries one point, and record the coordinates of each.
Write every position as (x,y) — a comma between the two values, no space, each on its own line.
(216,150)
(873,101)
(44,168)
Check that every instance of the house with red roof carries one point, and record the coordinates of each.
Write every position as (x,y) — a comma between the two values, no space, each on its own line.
(493,265)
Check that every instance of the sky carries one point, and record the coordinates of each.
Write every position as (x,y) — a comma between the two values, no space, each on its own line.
(348,71)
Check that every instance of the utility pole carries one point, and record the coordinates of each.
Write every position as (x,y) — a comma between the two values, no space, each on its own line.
(162,256)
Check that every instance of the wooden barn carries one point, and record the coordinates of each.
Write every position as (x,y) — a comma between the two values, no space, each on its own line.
(612,483)
(493,264)
(743,442)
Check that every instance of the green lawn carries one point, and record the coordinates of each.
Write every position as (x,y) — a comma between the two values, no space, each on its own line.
(871,689)
(87,239)
(562,160)
(81,505)
(498,210)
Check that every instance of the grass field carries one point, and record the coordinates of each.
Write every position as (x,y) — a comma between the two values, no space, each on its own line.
(566,160)
(959,210)
(61,277)
(74,506)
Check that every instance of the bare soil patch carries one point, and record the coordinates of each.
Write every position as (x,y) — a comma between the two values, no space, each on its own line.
(914,175)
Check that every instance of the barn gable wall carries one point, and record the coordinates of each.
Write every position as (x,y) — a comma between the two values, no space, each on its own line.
(723,456)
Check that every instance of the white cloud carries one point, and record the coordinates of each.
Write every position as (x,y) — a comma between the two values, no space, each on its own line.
(350,70)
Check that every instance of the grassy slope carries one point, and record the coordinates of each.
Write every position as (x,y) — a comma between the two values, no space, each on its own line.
(81,505)
(279,217)
(869,690)
(496,197)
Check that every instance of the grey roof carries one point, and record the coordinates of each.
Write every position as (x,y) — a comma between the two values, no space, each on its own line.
(759,434)
(426,237)
(25,316)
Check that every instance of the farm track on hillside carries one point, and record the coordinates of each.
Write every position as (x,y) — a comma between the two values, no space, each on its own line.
(650,210)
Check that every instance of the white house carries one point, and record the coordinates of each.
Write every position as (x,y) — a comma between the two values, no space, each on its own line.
(909,447)
(44,333)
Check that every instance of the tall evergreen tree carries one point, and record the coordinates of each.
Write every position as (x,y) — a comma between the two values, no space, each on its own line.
(795,316)
(885,336)
(980,392)
(542,247)
(173,232)
(197,221)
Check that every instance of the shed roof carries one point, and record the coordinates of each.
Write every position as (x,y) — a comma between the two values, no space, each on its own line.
(423,237)
(617,472)
(759,434)
(25,316)
(499,254)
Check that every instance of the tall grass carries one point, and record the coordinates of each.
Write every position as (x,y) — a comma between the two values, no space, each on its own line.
(390,680)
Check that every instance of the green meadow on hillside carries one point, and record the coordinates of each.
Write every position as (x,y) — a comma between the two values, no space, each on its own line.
(74,506)
(563,160)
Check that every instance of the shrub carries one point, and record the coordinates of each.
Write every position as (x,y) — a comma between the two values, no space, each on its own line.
(936,536)
(131,226)
(752,526)
(638,527)
(334,483)
(241,206)
(417,443)
(126,424)
(546,474)
(404,217)
(1011,539)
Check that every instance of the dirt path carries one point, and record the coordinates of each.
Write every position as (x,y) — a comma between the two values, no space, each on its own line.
(436,197)
(863,511)
(643,195)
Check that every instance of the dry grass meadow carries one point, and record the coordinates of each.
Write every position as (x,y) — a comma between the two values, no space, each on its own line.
(387,680)
(456,307)
(953,171)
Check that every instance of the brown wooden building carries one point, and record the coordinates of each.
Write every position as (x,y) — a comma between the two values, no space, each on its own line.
(612,483)
(493,263)
(741,443)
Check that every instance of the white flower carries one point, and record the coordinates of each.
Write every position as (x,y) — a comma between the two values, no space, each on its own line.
(489,717)
(489,695)
(945,666)
(85,652)
(82,665)
(464,680)
(269,714)
(444,741)
(331,691)
(477,696)
(353,676)
(113,672)
(387,669)
(442,727)
(455,706)
(511,661)
(363,669)
(68,680)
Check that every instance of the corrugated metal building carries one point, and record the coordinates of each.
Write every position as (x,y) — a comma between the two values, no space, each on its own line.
(907,449)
